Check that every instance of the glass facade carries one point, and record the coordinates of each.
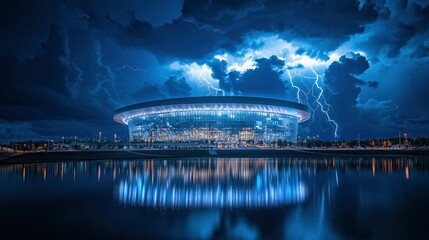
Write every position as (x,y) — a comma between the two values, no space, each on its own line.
(213,121)
(225,126)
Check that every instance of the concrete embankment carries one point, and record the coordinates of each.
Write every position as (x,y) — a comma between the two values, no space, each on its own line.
(54,156)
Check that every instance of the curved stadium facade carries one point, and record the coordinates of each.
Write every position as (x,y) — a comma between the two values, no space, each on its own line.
(222,121)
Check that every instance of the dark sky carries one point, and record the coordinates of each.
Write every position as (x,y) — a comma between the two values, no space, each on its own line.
(65,66)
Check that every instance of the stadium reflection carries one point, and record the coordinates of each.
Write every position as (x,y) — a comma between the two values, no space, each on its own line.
(325,198)
(224,183)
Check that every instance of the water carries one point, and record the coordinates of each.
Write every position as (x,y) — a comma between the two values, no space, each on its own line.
(320,198)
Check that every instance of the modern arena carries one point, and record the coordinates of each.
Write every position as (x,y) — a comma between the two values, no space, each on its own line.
(220,121)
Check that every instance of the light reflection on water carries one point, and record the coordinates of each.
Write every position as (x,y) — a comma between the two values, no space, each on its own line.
(293,198)
(108,167)
(231,183)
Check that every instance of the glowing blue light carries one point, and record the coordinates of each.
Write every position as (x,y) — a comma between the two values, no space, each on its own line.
(223,183)
(124,117)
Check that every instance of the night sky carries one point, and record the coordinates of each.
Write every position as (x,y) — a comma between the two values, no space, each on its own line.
(65,66)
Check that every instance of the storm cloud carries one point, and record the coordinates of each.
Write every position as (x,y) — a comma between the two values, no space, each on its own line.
(70,64)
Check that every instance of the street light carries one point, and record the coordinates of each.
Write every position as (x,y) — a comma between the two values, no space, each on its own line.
(99,136)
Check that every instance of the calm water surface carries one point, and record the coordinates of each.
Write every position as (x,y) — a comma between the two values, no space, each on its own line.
(246,198)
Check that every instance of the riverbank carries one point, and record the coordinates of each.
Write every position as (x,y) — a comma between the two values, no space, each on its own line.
(54,156)
(4,155)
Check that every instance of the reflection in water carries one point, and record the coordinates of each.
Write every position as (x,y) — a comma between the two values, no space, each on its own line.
(231,183)
(209,182)
(345,198)
(245,167)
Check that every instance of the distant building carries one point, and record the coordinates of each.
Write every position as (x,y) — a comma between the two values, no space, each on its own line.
(229,121)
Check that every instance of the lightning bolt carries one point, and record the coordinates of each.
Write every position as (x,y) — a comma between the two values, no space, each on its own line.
(213,91)
(319,97)
(298,90)
(135,69)
(306,92)
(312,95)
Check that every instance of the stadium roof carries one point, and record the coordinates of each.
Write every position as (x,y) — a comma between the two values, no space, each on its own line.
(251,104)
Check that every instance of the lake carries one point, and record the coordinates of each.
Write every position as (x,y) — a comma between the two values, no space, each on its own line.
(220,198)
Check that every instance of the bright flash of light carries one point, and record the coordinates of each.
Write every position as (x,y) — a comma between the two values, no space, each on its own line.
(298,90)
(318,100)
(212,90)
(313,95)
(265,47)
(200,76)
(306,92)
(309,85)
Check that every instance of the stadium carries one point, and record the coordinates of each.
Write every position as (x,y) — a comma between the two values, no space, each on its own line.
(228,121)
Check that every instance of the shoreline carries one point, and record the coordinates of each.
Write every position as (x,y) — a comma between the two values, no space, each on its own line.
(58,156)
